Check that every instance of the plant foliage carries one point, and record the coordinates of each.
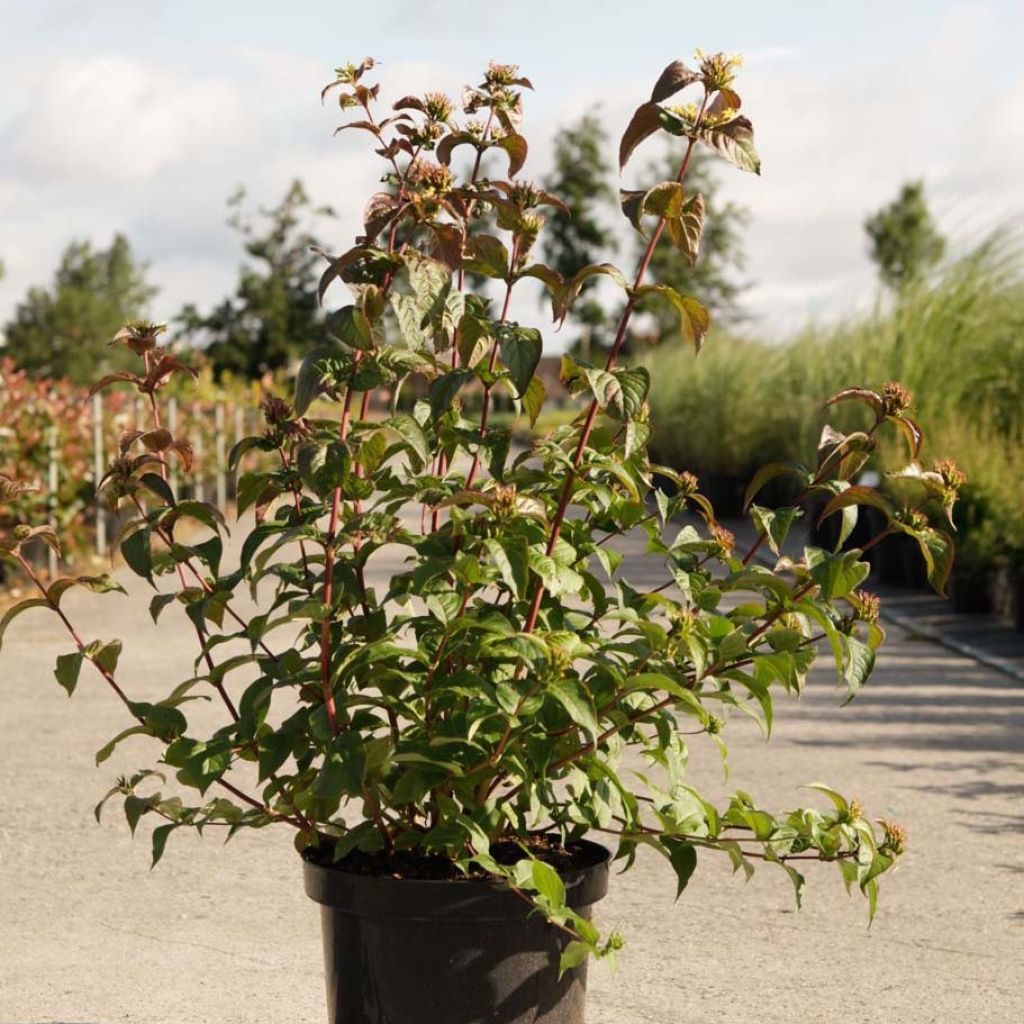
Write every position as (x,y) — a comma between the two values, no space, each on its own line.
(510,678)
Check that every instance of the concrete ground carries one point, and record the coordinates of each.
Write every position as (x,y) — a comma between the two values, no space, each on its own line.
(89,935)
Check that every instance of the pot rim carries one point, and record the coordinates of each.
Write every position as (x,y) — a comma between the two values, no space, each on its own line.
(451,898)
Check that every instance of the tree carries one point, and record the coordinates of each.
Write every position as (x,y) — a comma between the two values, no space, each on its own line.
(64,330)
(713,276)
(275,312)
(905,243)
(582,178)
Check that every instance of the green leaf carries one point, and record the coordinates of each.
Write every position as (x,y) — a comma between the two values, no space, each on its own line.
(160,836)
(659,681)
(799,884)
(250,488)
(308,381)
(159,486)
(414,438)
(774,524)
(164,722)
(204,512)
(858,663)
(101,584)
(68,667)
(836,573)
(487,255)
(569,694)
(107,749)
(248,444)
(871,891)
(840,801)
(558,580)
(574,955)
(135,807)
(633,385)
(444,388)
(858,496)
(620,392)
(533,399)
(734,143)
(769,472)
(158,604)
(136,551)
(547,883)
(105,656)
(323,467)
(521,349)
(350,325)
(683,858)
(372,452)
(503,563)
(104,583)
(937,550)
(22,606)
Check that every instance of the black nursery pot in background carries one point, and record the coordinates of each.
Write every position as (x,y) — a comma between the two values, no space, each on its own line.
(410,951)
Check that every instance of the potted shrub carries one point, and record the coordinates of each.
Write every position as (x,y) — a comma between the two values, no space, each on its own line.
(449,749)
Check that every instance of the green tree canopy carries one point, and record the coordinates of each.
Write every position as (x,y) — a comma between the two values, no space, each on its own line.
(582,178)
(274,314)
(904,242)
(63,330)
(714,276)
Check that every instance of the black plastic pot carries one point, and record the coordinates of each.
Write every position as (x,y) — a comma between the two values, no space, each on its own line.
(406,951)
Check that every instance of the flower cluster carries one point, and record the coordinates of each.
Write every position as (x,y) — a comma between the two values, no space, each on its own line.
(717,70)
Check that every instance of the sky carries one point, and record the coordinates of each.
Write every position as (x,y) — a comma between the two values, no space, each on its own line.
(144,117)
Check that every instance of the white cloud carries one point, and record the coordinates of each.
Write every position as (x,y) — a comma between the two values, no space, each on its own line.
(103,143)
(113,119)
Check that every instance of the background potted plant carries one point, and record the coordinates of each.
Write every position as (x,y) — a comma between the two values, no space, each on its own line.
(445,747)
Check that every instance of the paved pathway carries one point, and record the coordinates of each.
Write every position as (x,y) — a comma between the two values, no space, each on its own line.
(89,935)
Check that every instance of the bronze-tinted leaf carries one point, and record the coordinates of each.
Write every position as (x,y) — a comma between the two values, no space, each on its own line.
(157,440)
(381,209)
(563,298)
(114,378)
(450,141)
(645,122)
(664,199)
(858,496)
(725,99)
(687,228)
(550,277)
(447,244)
(408,103)
(632,203)
(675,77)
(865,395)
(734,143)
(694,319)
(366,126)
(183,450)
(912,432)
(550,199)
(516,147)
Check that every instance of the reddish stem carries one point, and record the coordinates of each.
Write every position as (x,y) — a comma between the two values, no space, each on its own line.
(613,355)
